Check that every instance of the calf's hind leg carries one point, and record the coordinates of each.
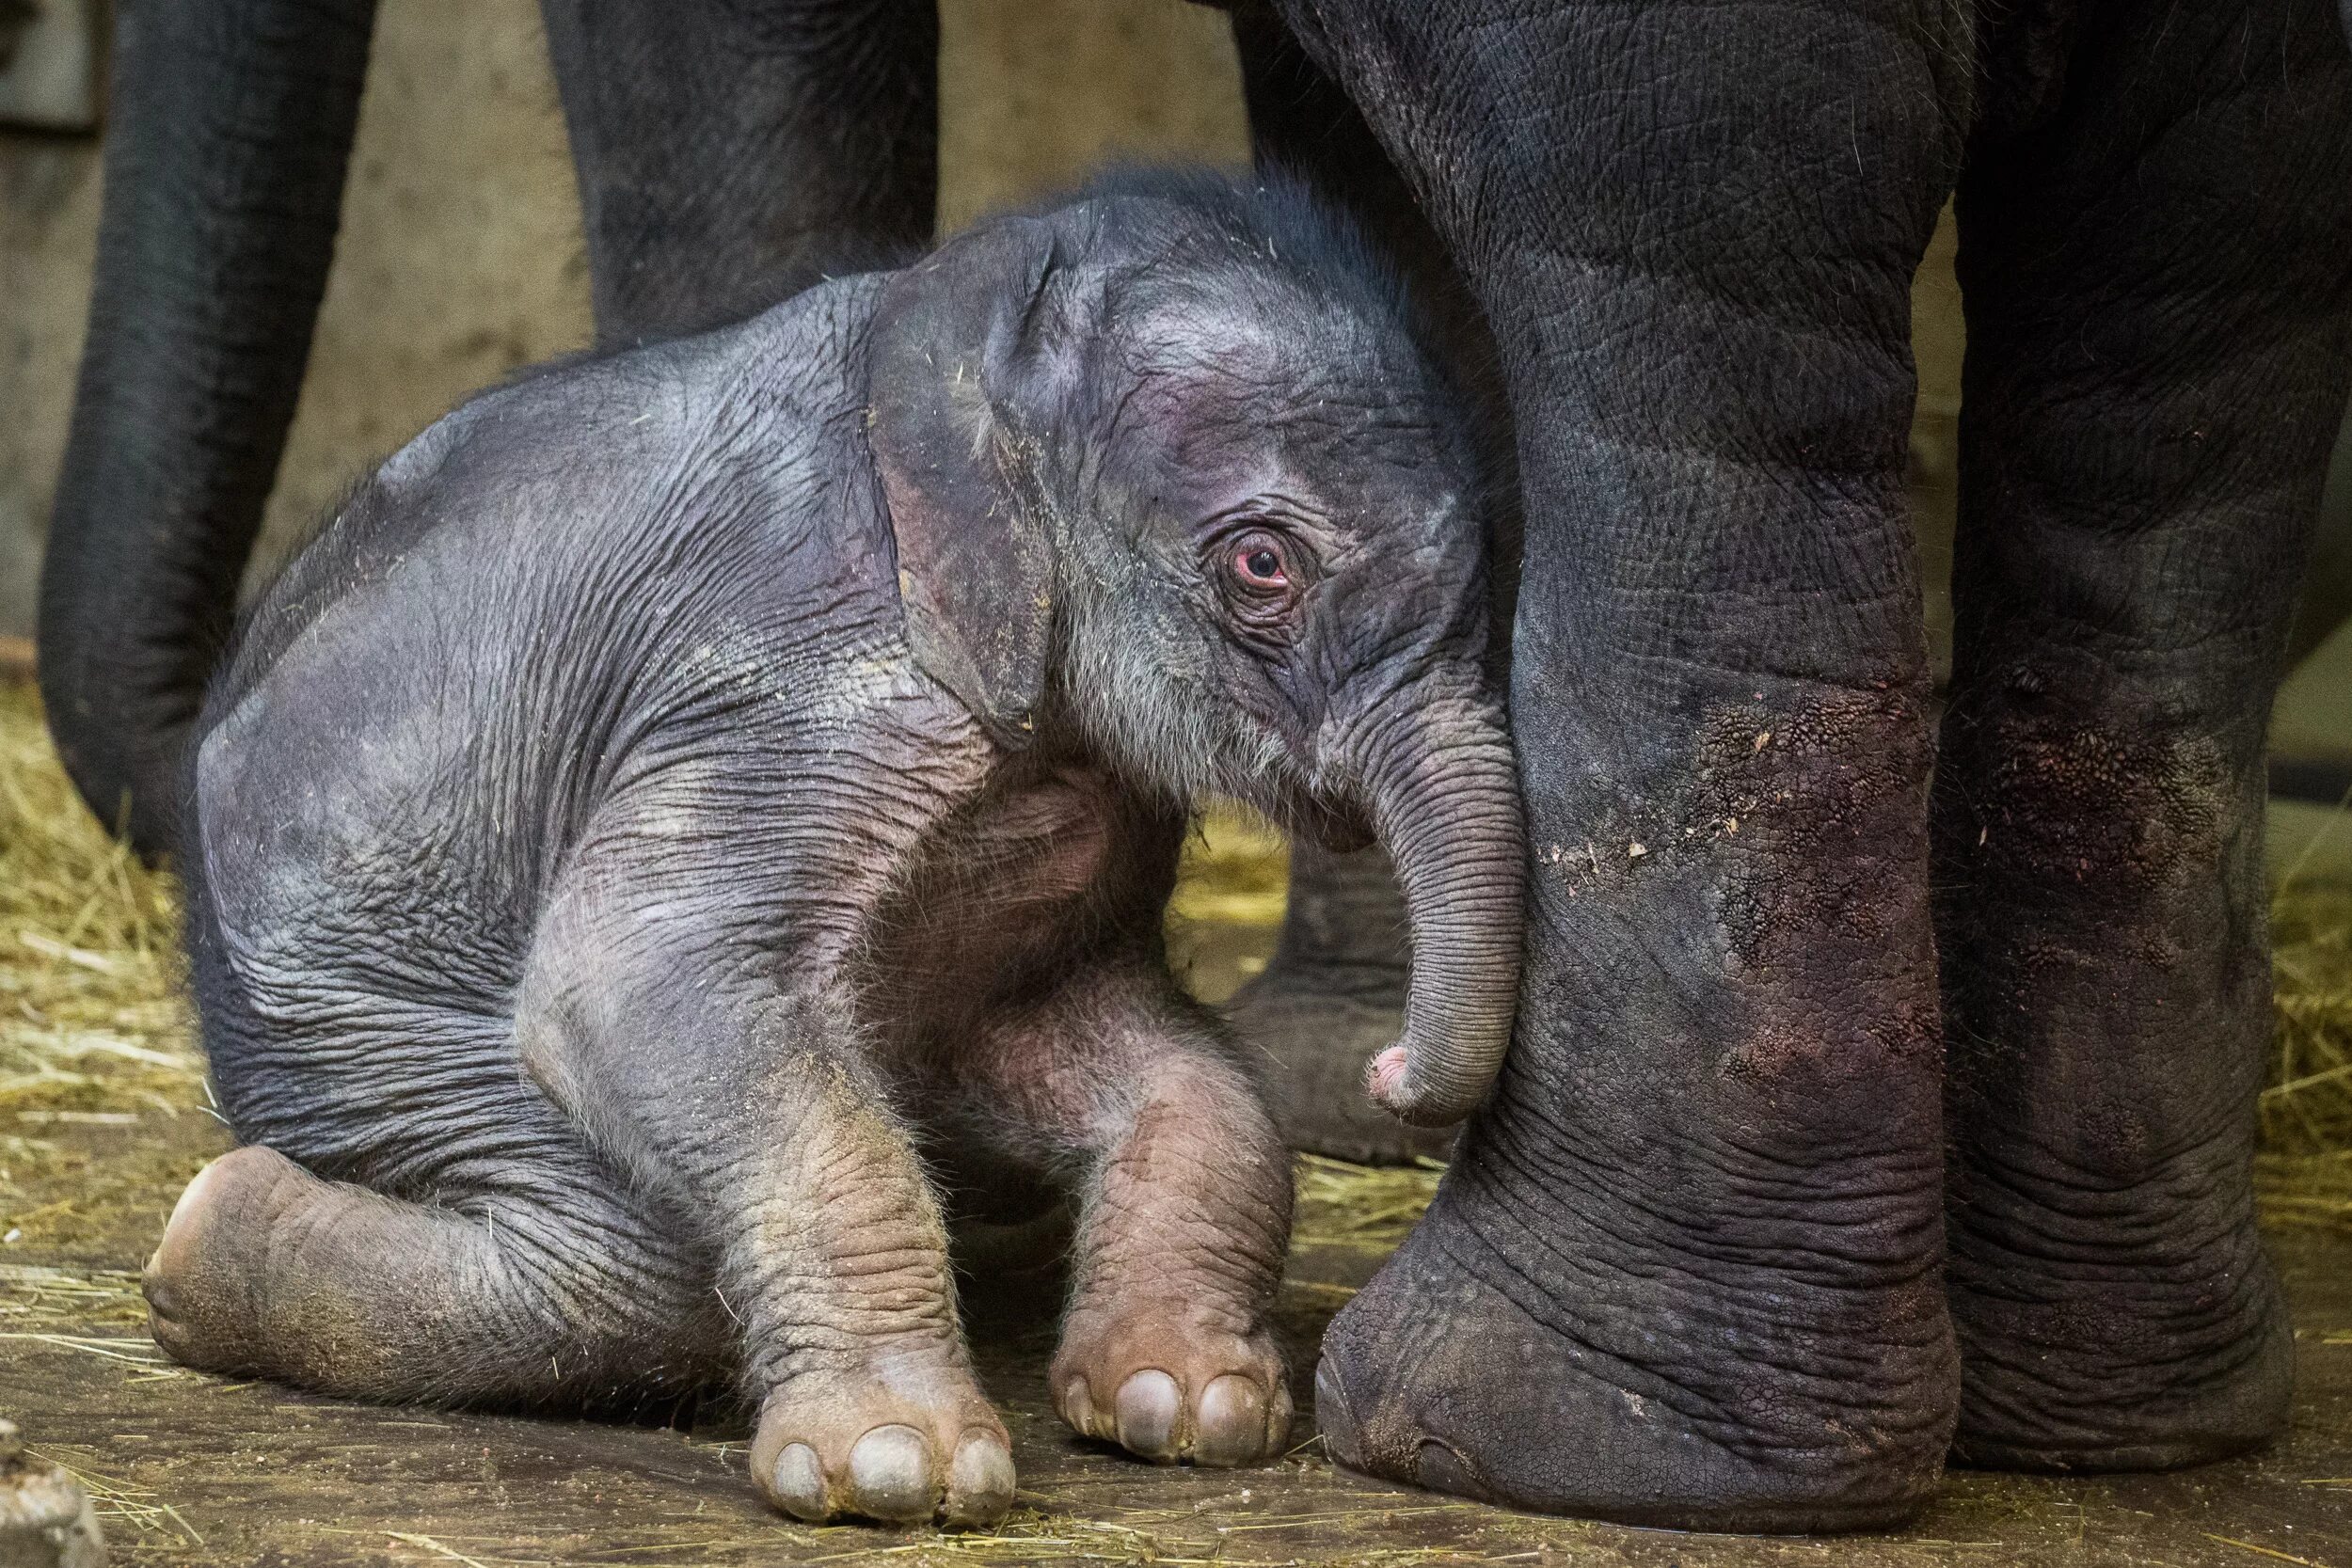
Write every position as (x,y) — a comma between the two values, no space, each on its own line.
(559,1294)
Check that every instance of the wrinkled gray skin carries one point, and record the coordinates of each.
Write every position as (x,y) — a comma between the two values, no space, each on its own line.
(1884,1083)
(686,796)
(1767,1068)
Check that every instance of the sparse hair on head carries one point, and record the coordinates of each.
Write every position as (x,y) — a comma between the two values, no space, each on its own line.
(1273,214)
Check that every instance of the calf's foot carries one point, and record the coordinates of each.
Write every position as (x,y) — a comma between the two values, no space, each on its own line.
(903,1440)
(200,1284)
(1168,1386)
(571,1298)
(1185,1215)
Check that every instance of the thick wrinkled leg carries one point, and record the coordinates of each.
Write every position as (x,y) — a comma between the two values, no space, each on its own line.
(552,1292)
(2153,242)
(840,1259)
(1185,1213)
(1684,1268)
(731,156)
(672,1045)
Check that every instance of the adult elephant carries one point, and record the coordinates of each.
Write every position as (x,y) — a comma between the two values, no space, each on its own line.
(1691,1264)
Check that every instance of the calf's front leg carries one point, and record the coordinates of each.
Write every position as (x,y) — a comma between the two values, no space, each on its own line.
(678,1052)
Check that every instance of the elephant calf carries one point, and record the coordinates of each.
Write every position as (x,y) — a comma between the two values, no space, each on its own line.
(697,821)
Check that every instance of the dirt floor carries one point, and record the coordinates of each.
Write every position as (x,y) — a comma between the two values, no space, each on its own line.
(101,1118)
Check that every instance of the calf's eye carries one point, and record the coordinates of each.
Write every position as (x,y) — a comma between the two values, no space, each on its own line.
(1258,562)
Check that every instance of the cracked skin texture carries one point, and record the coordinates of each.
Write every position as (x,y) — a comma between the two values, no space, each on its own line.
(1721,1122)
(2152,242)
(2116,1308)
(1779,827)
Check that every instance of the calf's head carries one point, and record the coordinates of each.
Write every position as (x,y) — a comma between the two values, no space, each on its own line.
(1168,467)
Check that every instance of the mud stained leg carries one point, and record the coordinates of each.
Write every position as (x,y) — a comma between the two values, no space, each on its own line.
(1684,1268)
(2158,352)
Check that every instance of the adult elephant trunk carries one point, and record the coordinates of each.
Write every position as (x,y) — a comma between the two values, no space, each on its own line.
(1445,803)
(231,126)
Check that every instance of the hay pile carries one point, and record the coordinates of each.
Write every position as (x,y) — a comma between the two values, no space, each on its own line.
(2308,1107)
(1348,1204)
(2305,1170)
(94,1031)
(91,1018)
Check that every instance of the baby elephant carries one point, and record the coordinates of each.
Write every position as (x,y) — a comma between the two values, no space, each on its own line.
(696,824)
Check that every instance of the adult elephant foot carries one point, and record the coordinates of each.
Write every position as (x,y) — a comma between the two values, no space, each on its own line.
(1684,1269)
(1442,1375)
(1333,996)
(2140,480)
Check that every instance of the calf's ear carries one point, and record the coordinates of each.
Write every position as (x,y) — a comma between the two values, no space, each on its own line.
(955,347)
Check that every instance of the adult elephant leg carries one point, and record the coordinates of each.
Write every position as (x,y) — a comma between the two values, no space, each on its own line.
(2160,336)
(730,155)
(1684,1268)
(1334,993)
(231,123)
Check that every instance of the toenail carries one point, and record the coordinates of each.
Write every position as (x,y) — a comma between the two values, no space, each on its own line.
(1077,1407)
(1147,1409)
(1341,1435)
(187,1199)
(1232,1423)
(798,1482)
(979,1482)
(1437,1467)
(890,1474)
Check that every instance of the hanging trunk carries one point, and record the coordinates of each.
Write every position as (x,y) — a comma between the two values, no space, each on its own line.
(1447,811)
